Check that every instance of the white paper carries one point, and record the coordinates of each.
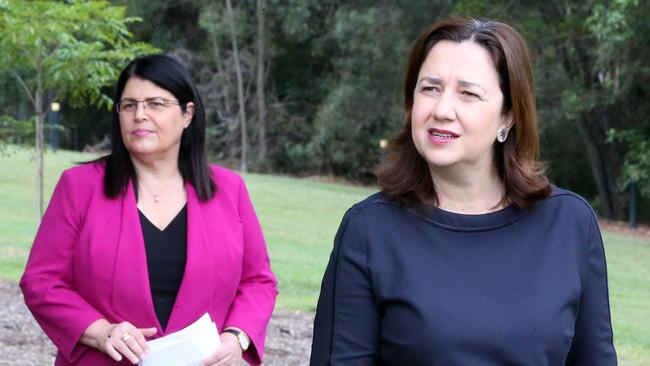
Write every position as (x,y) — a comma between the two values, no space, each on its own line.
(187,347)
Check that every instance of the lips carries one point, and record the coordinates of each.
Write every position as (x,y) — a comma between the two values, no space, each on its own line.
(438,136)
(142,132)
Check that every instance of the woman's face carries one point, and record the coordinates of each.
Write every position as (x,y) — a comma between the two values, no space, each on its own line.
(151,129)
(457,107)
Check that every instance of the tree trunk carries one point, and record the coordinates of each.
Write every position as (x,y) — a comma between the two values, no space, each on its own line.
(603,163)
(611,157)
(216,51)
(240,90)
(261,97)
(593,124)
(38,152)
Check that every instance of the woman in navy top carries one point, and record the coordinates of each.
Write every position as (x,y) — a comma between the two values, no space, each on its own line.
(468,256)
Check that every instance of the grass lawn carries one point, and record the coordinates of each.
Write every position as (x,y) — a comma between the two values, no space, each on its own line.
(300,218)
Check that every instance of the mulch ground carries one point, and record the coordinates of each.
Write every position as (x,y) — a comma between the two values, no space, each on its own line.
(23,343)
(623,228)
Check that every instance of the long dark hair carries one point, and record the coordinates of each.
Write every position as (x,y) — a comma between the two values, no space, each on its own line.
(170,75)
(406,177)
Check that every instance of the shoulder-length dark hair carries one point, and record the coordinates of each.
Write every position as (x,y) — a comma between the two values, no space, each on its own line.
(405,177)
(170,75)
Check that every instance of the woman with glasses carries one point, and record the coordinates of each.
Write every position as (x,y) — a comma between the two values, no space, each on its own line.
(468,256)
(144,241)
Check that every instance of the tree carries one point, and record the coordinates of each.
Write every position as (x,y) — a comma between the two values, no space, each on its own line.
(595,46)
(63,50)
(591,74)
(243,165)
(260,84)
(363,100)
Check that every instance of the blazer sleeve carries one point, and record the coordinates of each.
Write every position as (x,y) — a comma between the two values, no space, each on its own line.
(47,283)
(593,340)
(347,322)
(255,298)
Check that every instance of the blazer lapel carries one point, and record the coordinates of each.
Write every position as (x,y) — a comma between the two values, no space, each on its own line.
(131,292)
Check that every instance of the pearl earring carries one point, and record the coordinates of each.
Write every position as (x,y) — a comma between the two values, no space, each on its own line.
(502,135)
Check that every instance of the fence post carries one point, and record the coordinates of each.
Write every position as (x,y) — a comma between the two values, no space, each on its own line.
(633,187)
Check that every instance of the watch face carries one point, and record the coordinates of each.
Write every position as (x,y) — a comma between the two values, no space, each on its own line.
(243,341)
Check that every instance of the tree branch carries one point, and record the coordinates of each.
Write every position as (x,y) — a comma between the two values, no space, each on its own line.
(22,83)
(29,58)
(51,54)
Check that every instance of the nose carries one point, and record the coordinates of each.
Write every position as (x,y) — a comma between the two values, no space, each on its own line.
(139,113)
(444,109)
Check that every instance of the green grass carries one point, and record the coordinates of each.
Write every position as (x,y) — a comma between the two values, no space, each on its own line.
(18,219)
(628,263)
(300,218)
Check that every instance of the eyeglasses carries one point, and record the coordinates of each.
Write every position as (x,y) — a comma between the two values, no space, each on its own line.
(151,104)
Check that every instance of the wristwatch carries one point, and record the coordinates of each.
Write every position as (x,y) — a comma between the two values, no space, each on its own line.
(242,338)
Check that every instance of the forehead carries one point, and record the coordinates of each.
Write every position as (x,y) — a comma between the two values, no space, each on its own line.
(467,61)
(137,88)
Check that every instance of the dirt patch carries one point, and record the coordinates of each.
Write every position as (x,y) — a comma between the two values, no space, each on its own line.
(23,343)
(623,228)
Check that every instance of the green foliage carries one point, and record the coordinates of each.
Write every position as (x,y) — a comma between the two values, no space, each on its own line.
(13,131)
(63,50)
(354,115)
(213,19)
(335,71)
(636,167)
(591,74)
(362,100)
(72,48)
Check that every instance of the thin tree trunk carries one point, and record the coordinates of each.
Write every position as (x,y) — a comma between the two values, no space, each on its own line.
(220,70)
(240,90)
(38,152)
(261,80)
(596,164)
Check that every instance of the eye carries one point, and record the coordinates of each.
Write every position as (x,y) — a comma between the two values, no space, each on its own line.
(128,106)
(429,89)
(156,103)
(469,94)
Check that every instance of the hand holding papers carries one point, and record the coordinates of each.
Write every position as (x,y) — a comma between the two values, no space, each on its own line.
(187,347)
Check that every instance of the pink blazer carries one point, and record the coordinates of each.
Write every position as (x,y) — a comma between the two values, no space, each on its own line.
(88,262)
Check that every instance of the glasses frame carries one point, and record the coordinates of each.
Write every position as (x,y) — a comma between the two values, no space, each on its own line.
(166,102)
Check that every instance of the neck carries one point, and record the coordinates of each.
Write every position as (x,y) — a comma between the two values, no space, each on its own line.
(468,191)
(155,172)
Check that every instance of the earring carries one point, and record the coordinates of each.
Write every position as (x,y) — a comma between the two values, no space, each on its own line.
(502,135)
(186,125)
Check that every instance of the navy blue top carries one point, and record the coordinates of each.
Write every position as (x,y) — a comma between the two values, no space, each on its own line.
(512,287)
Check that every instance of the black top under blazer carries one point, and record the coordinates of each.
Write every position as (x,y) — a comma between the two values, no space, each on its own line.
(512,287)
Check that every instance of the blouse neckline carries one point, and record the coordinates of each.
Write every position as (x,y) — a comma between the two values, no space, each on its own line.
(473,222)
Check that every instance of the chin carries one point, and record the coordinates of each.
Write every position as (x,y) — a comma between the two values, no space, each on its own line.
(141,150)
(440,161)
(440,164)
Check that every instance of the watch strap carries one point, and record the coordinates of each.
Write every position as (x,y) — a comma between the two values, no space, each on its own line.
(242,338)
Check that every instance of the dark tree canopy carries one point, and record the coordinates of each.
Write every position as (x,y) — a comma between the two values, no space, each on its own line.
(331,73)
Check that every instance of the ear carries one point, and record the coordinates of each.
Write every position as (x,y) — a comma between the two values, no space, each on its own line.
(507,120)
(189,113)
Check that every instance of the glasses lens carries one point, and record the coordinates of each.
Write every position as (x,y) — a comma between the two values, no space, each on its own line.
(127,106)
(155,103)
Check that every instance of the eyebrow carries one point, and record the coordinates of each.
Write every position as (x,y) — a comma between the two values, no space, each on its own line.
(134,100)
(463,83)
